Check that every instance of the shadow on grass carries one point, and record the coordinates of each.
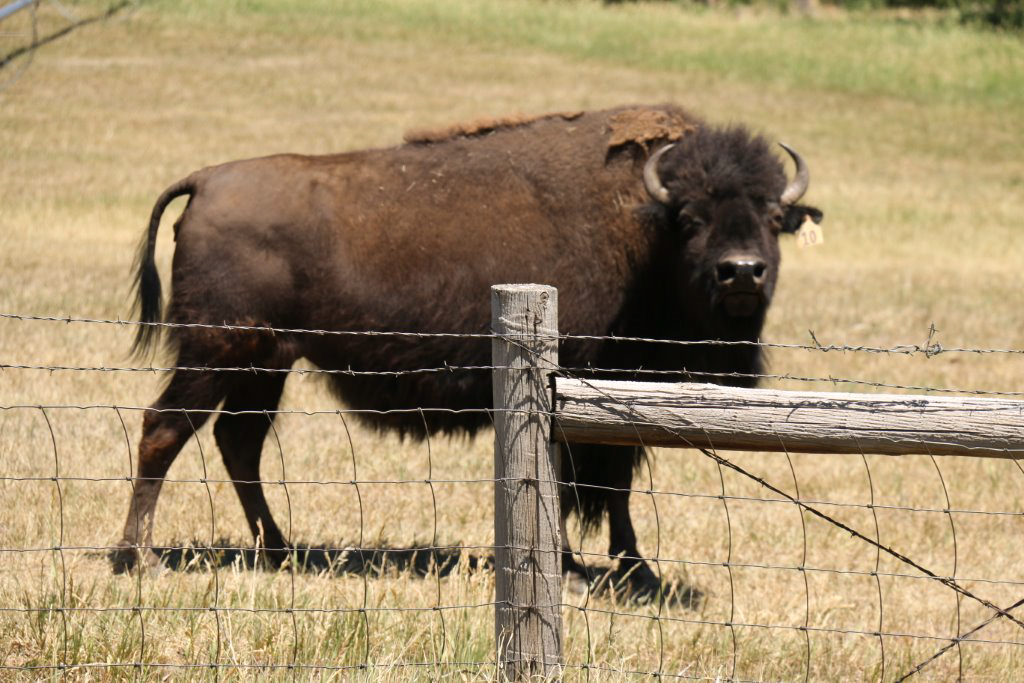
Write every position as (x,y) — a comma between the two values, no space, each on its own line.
(420,561)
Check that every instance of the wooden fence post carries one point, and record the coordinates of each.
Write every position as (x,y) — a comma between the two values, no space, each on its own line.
(527,539)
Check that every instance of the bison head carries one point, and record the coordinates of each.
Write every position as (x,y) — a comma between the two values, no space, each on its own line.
(725,198)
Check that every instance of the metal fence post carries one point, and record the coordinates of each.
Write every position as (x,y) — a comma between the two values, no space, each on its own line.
(528,580)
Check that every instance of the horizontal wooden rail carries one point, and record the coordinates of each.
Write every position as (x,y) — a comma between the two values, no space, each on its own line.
(727,418)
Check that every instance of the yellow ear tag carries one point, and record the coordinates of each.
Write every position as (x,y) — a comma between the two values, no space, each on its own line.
(809,234)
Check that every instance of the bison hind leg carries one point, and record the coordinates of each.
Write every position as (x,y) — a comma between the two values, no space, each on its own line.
(240,431)
(182,408)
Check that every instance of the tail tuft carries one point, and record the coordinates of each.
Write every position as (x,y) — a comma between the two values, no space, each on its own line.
(148,301)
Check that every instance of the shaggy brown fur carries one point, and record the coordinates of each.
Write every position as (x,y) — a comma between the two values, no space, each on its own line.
(643,126)
(640,126)
(481,127)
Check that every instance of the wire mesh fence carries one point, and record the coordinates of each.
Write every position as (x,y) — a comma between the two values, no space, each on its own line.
(774,566)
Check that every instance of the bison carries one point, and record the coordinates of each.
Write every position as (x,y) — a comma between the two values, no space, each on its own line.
(649,221)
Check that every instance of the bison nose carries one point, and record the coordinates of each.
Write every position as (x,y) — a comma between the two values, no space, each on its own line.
(743,272)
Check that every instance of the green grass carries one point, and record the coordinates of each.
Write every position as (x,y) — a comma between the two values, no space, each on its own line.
(912,132)
(922,61)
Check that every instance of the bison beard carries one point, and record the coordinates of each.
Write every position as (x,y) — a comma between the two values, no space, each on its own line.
(648,221)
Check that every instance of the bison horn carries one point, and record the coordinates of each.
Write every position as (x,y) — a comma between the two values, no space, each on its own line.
(651,180)
(796,189)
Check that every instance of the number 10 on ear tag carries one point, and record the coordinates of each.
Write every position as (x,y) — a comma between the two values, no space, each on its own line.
(809,234)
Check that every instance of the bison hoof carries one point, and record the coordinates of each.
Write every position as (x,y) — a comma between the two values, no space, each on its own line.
(126,557)
(636,582)
(576,583)
(274,558)
(575,577)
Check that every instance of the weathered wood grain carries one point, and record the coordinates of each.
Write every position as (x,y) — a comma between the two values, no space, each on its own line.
(528,581)
(711,416)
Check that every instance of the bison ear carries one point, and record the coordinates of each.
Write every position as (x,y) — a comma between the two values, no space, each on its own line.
(795,215)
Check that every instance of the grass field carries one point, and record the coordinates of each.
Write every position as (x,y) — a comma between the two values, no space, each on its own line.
(912,130)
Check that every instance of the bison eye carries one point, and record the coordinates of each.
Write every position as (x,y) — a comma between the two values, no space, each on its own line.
(687,220)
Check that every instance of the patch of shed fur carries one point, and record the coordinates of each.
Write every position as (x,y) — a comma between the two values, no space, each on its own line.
(643,126)
(481,127)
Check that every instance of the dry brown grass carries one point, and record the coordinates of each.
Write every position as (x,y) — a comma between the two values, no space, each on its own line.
(923,204)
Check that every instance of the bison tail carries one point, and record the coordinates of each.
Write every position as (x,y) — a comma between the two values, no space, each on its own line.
(147,286)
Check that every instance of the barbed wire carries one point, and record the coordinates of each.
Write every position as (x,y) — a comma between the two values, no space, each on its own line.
(865,401)
(929,349)
(256,369)
(569,370)
(279,411)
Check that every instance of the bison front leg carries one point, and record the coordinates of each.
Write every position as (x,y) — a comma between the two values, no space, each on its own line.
(575,575)
(604,475)
(632,576)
